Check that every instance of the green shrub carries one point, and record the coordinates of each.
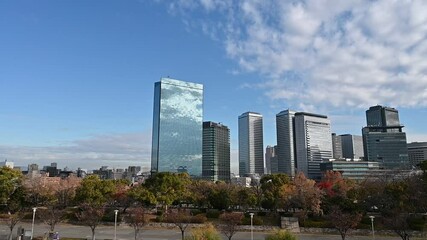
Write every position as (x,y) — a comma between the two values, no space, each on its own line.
(417,223)
(199,218)
(315,223)
(195,212)
(213,213)
(261,214)
(281,235)
(109,216)
(208,232)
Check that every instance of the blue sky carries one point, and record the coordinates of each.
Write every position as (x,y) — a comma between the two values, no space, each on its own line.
(77,77)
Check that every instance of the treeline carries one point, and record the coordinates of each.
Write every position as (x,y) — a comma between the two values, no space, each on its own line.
(396,202)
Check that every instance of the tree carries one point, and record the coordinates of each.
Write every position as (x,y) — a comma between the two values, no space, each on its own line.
(10,180)
(136,218)
(181,218)
(199,191)
(11,219)
(306,195)
(140,195)
(66,191)
(168,187)
(90,216)
(229,223)
(344,221)
(94,191)
(246,197)
(271,187)
(51,216)
(40,191)
(221,196)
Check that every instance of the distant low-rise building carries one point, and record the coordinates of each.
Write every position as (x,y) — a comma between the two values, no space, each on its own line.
(241,181)
(417,152)
(354,169)
(7,164)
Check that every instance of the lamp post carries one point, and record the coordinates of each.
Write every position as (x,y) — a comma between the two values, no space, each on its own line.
(252,228)
(372,224)
(115,224)
(32,225)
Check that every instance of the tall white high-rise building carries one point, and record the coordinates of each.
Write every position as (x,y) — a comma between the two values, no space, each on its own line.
(251,144)
(313,142)
(286,142)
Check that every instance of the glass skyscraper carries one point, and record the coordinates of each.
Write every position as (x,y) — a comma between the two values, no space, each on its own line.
(383,138)
(216,152)
(177,127)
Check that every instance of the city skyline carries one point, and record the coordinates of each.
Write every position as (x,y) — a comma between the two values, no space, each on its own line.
(77,77)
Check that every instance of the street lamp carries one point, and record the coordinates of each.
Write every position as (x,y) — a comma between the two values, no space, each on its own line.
(115,224)
(32,225)
(252,228)
(372,223)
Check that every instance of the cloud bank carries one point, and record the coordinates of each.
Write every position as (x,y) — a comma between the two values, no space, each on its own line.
(114,150)
(311,53)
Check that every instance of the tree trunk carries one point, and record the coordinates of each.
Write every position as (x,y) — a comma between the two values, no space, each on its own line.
(182,234)
(136,234)
(93,233)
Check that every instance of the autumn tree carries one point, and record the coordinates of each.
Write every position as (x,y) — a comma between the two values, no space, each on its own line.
(11,219)
(51,216)
(181,218)
(344,221)
(90,215)
(66,191)
(136,218)
(306,195)
(40,191)
(229,223)
(199,192)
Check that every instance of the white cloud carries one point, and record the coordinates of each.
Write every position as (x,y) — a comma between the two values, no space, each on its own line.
(115,150)
(352,53)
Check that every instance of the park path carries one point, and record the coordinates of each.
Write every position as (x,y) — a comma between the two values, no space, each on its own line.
(126,233)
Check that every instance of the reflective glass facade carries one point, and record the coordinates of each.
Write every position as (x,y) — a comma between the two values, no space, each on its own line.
(383,138)
(177,127)
(216,152)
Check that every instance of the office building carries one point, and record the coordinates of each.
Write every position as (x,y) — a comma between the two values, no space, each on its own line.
(383,139)
(353,169)
(336,146)
(177,127)
(417,152)
(7,164)
(313,142)
(352,146)
(271,163)
(216,152)
(251,144)
(286,151)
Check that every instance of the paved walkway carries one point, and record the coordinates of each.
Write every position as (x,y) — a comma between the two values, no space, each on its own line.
(126,233)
